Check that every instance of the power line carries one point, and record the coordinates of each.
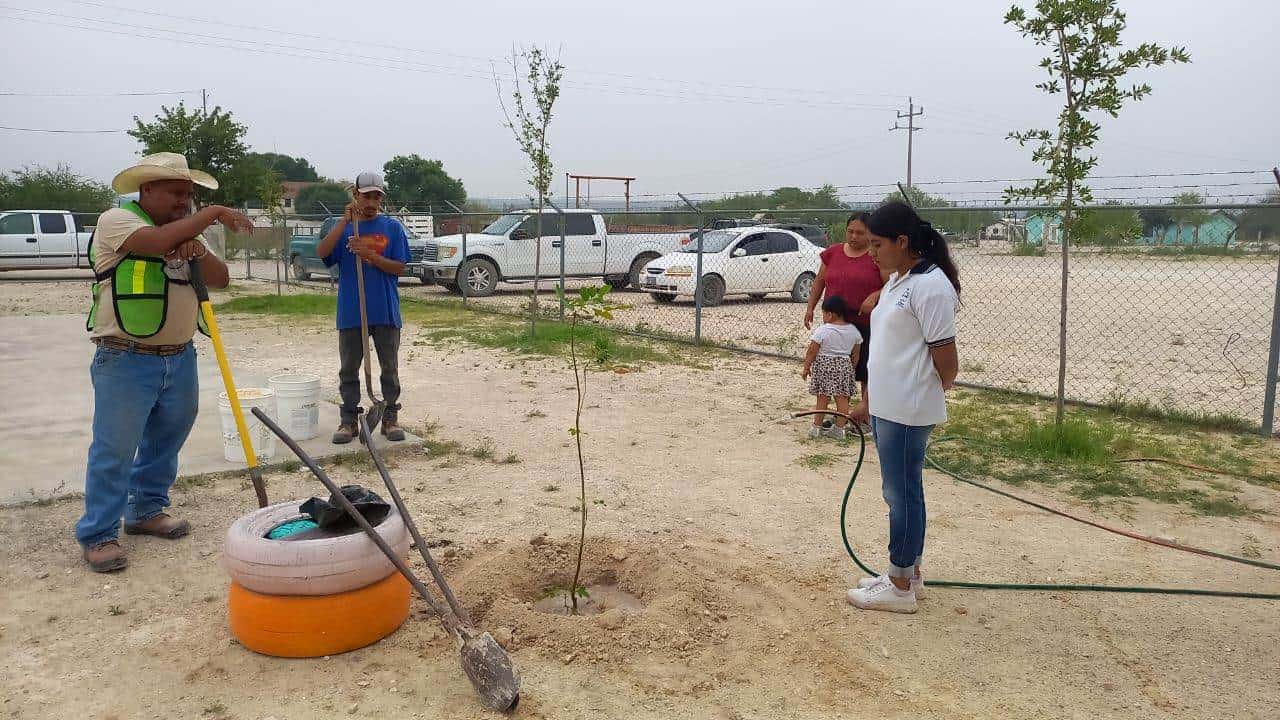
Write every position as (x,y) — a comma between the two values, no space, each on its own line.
(68,132)
(910,116)
(140,93)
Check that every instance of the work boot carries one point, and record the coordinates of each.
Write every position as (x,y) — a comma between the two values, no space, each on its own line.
(390,429)
(106,557)
(161,525)
(345,433)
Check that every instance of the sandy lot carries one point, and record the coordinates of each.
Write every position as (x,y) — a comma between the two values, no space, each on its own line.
(708,518)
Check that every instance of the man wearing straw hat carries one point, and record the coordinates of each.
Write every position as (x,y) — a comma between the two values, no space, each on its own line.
(143,317)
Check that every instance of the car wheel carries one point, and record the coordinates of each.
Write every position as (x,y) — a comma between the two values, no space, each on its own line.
(453,288)
(637,267)
(617,282)
(712,291)
(757,296)
(297,269)
(481,277)
(664,298)
(803,284)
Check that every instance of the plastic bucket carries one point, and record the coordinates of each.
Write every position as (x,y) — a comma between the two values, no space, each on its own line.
(298,404)
(264,442)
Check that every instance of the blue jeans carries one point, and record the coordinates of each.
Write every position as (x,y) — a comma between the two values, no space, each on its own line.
(143,409)
(901,451)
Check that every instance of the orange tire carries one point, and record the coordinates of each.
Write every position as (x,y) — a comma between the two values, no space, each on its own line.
(317,625)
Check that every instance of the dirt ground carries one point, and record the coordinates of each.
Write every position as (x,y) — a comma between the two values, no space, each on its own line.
(707,517)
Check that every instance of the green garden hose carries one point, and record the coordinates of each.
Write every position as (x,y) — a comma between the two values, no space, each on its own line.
(844,536)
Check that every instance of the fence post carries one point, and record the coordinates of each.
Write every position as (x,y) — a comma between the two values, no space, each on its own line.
(561,214)
(284,235)
(697,284)
(1273,365)
(458,277)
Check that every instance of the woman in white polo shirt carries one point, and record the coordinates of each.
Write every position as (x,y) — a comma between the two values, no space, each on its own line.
(912,364)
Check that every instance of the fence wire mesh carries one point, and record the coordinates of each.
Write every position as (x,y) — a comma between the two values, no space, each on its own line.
(1170,309)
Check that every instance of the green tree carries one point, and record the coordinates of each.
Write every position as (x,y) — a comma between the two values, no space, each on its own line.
(313,199)
(1258,224)
(1085,65)
(1155,220)
(961,221)
(1189,218)
(530,124)
(58,188)
(1108,228)
(297,169)
(212,142)
(416,182)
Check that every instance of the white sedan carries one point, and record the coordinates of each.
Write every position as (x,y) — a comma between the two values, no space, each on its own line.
(754,261)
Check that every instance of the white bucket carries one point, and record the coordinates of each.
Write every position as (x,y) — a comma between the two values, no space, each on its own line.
(263,440)
(298,404)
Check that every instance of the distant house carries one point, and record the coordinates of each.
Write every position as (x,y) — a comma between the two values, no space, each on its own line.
(1216,228)
(1044,228)
(1007,229)
(289,199)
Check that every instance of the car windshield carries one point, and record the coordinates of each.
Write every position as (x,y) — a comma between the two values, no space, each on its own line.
(714,241)
(503,224)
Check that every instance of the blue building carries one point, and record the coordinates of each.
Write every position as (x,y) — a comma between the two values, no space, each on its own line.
(1218,229)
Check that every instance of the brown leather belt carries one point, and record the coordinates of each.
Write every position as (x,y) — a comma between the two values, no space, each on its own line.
(114,343)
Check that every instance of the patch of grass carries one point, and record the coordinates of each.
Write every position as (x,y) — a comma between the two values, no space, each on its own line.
(115,610)
(535,414)
(290,466)
(973,366)
(215,708)
(197,481)
(296,305)
(439,448)
(1013,439)
(1197,251)
(1026,249)
(817,461)
(483,451)
(1147,410)
(510,459)
(550,488)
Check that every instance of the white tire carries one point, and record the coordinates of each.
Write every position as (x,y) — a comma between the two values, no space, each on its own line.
(306,567)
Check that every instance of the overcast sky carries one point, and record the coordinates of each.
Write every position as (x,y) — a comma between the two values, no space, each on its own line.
(696,97)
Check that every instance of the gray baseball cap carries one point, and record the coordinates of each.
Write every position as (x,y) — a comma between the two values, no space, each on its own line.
(370,181)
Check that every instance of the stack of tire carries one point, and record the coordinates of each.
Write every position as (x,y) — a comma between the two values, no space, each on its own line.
(312,597)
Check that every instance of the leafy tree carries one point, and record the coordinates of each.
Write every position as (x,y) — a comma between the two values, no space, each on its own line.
(1155,220)
(1108,228)
(58,188)
(529,126)
(1193,218)
(212,142)
(252,182)
(297,169)
(780,199)
(1086,64)
(416,182)
(965,222)
(1261,223)
(313,199)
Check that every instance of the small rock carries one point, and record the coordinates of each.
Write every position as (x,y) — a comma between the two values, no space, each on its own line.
(1108,686)
(569,658)
(326,657)
(962,611)
(812,598)
(450,553)
(540,539)
(364,683)
(42,574)
(884,651)
(618,554)
(498,501)
(611,619)
(899,693)
(354,707)
(503,636)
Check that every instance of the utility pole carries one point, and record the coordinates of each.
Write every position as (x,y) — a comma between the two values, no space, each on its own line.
(910,116)
(204,101)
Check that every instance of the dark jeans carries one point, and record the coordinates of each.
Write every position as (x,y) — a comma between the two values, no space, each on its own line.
(901,451)
(386,341)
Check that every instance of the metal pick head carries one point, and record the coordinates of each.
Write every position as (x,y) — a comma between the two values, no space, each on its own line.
(491,672)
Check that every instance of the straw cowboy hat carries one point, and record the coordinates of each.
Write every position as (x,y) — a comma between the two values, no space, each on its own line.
(161,166)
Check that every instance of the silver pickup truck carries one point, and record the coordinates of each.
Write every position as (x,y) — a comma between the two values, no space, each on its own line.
(42,240)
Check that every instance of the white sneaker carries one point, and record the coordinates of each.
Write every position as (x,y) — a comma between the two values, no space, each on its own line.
(834,432)
(917,584)
(882,596)
(815,432)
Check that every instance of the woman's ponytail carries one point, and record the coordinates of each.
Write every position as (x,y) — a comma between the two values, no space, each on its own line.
(896,218)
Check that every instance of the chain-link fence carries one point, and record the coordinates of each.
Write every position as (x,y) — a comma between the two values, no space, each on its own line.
(1171,308)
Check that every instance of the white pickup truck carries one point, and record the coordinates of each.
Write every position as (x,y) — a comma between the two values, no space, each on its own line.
(42,239)
(506,250)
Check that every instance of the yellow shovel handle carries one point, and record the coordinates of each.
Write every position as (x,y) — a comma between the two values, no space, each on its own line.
(250,457)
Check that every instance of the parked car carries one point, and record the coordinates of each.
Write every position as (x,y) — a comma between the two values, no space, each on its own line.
(813,233)
(42,239)
(303,262)
(510,250)
(754,261)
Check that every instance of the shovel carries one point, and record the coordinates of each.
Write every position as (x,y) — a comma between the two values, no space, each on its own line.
(485,663)
(228,382)
(376,406)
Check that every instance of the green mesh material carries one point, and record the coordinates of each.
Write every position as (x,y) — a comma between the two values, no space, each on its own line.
(293,527)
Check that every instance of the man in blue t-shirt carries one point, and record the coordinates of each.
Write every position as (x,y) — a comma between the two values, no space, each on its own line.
(383,246)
